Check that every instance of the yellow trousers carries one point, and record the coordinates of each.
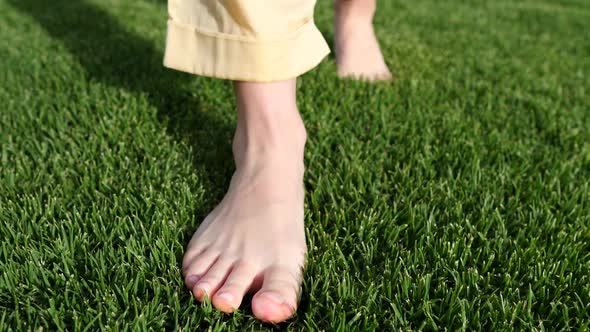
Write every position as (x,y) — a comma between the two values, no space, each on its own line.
(246,40)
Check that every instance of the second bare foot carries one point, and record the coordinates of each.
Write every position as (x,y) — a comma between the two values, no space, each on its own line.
(358,54)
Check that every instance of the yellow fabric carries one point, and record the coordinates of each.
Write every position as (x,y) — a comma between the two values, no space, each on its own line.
(246,40)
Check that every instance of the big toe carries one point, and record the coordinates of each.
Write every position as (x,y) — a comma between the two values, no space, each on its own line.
(277,298)
(271,307)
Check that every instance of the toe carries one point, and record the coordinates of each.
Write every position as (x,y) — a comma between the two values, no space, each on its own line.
(230,295)
(271,307)
(383,76)
(276,301)
(213,279)
(195,266)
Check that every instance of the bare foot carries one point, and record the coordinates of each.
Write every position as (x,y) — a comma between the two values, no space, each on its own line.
(357,50)
(254,240)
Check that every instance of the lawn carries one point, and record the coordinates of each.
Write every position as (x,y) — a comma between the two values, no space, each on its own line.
(455,198)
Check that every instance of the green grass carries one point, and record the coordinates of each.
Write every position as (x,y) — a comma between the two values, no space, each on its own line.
(457,197)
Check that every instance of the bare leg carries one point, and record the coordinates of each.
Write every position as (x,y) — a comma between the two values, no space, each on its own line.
(254,240)
(357,50)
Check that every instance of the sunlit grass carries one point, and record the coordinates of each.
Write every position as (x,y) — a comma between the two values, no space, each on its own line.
(456,197)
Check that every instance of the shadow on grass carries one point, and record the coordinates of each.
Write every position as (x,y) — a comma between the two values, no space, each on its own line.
(112,55)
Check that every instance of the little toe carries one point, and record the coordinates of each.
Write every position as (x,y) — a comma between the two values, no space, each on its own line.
(213,279)
(197,266)
(230,295)
(276,301)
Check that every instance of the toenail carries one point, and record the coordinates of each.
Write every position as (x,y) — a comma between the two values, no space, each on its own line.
(276,298)
(225,296)
(203,286)
(193,279)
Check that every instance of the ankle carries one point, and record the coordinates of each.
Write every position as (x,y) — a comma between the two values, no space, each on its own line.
(283,161)
(269,138)
(280,136)
(269,124)
(355,12)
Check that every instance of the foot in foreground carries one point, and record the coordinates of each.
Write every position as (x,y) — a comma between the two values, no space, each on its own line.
(254,240)
(358,54)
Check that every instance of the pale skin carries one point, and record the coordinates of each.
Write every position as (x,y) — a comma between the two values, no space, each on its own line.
(254,239)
